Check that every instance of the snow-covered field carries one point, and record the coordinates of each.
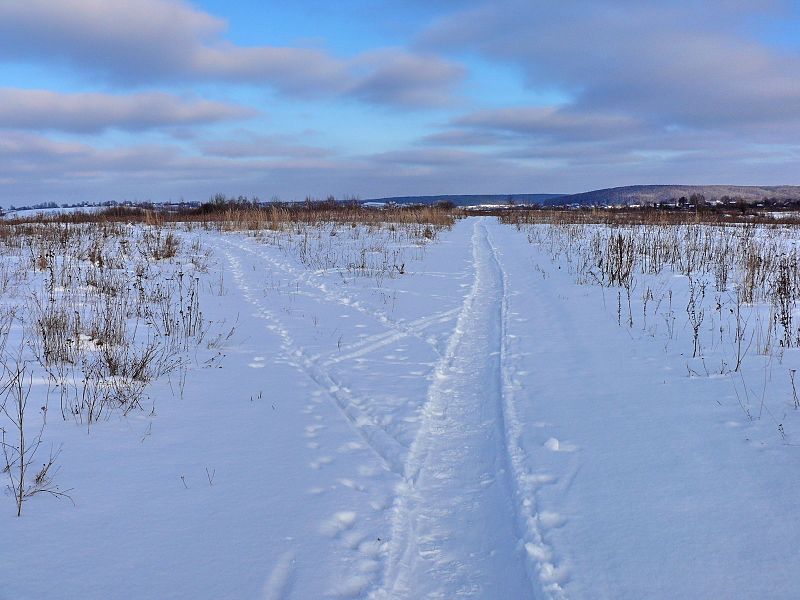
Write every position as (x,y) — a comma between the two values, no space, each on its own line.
(345,411)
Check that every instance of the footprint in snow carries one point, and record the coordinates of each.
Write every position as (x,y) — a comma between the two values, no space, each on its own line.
(554,445)
(539,552)
(554,575)
(322,460)
(349,483)
(352,587)
(257,363)
(539,479)
(351,447)
(550,519)
(311,430)
(341,521)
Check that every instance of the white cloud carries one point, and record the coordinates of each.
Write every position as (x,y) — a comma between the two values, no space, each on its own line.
(136,42)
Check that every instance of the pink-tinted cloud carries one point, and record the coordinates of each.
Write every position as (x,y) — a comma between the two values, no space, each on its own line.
(394,76)
(550,122)
(247,145)
(92,112)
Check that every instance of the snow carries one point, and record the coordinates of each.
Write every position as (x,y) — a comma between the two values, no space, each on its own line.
(479,426)
(34,213)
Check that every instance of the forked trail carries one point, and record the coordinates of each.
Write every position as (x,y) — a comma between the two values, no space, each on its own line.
(463,521)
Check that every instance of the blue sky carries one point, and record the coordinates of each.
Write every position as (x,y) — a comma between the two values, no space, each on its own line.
(169,99)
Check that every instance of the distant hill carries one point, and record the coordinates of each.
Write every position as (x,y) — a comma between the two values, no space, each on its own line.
(648,194)
(471,199)
(632,194)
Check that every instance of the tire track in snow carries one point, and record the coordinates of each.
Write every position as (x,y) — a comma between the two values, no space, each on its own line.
(388,447)
(457,521)
(383,443)
(399,329)
(525,482)
(405,329)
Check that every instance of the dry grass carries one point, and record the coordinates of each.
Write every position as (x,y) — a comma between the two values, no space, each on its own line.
(103,308)
(721,296)
(242,215)
(643,216)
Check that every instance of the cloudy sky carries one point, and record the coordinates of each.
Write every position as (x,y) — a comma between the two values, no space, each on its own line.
(169,99)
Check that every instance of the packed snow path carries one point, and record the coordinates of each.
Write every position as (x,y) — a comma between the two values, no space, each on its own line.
(455,531)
